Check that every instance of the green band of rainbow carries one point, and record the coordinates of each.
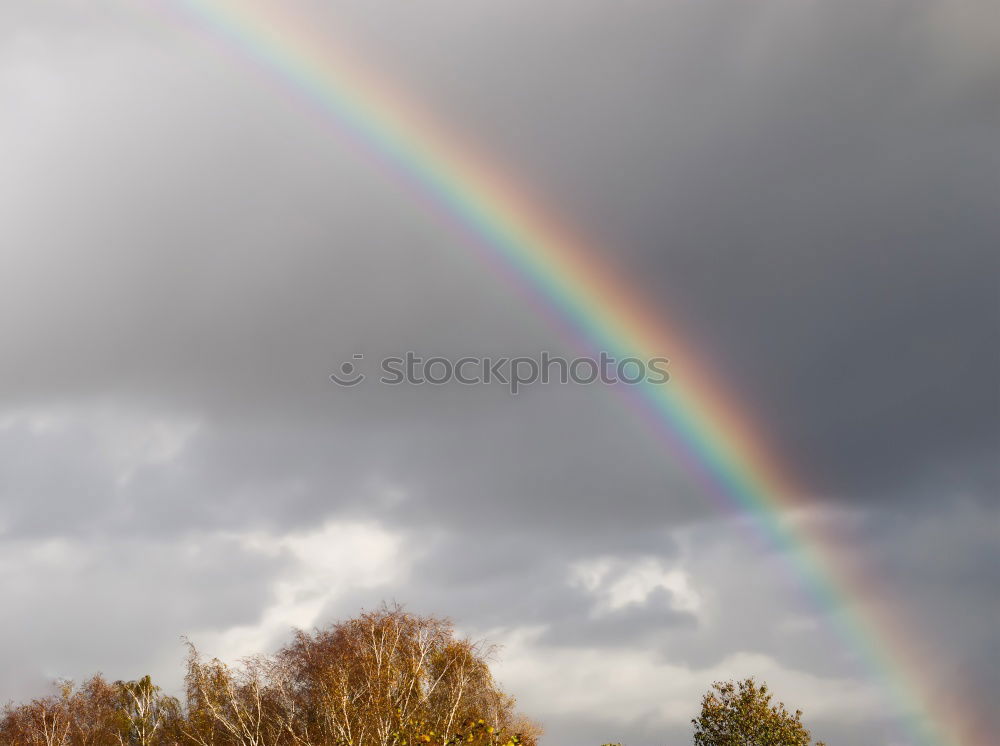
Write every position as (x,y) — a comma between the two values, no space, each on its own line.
(694,414)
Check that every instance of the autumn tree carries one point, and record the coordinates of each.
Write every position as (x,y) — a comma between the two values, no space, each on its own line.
(96,713)
(385,678)
(142,713)
(741,714)
(45,721)
(390,678)
(229,705)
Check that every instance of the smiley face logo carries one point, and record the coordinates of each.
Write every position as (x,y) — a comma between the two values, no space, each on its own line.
(349,375)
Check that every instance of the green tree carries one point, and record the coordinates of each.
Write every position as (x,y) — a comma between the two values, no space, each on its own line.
(741,714)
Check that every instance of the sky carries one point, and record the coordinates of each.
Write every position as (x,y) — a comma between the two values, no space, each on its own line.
(187,251)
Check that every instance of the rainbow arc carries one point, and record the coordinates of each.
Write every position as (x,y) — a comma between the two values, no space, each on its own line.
(695,416)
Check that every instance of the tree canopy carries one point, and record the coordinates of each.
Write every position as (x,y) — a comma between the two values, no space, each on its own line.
(385,678)
(741,714)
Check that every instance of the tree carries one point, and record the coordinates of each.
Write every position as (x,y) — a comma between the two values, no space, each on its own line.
(232,705)
(46,721)
(741,714)
(141,712)
(385,678)
(390,678)
(125,713)
(93,713)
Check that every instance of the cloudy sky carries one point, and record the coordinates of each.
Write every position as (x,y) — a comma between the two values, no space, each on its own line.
(808,189)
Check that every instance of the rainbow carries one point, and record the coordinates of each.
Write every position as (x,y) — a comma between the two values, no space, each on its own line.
(704,427)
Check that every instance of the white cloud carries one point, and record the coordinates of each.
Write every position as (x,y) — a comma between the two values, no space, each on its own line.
(621,582)
(634,686)
(127,440)
(327,562)
(133,443)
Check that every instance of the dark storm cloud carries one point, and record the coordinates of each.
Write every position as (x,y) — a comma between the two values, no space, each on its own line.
(825,227)
(811,189)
